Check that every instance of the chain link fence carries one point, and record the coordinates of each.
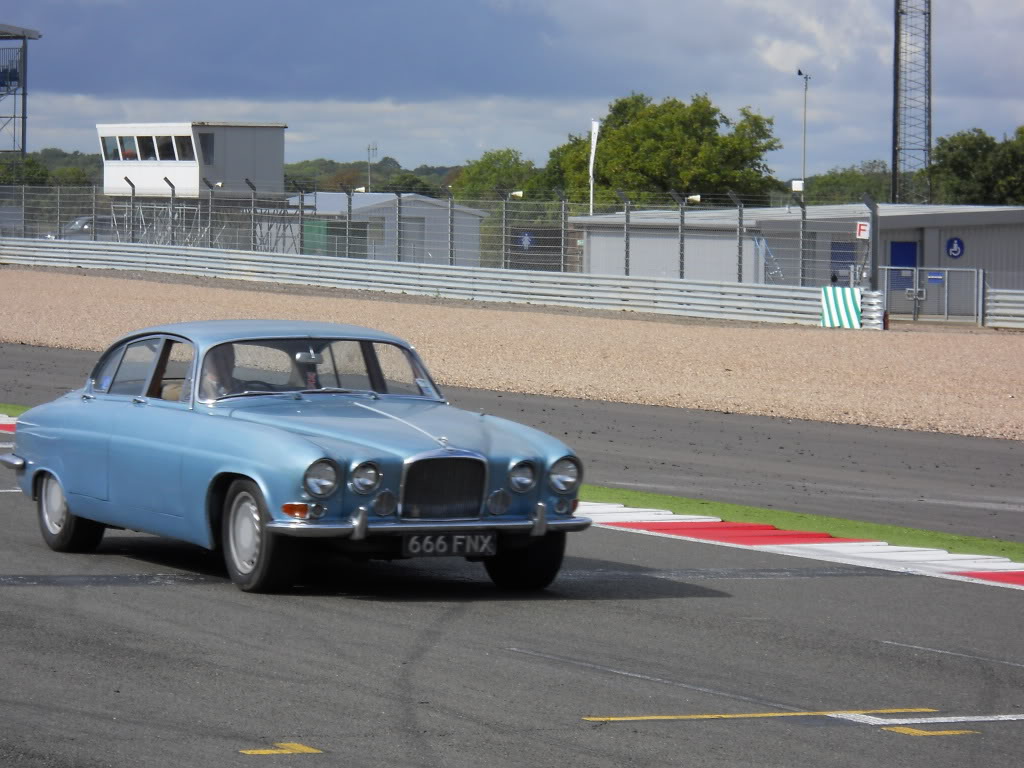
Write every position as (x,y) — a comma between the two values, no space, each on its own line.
(719,238)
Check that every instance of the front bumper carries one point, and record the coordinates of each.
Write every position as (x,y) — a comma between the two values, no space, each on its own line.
(358,527)
(11,461)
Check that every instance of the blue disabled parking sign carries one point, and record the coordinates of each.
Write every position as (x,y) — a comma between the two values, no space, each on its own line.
(954,247)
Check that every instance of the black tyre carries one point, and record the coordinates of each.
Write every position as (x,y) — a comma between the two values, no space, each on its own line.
(63,531)
(256,560)
(529,567)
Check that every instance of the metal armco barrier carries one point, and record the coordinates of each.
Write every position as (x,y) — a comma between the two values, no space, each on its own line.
(1004,309)
(723,301)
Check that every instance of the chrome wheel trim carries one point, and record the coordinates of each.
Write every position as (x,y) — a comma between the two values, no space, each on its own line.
(245,533)
(55,506)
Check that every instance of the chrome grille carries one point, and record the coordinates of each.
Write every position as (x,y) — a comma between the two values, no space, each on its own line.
(443,488)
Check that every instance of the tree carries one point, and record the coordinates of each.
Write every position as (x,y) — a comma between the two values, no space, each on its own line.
(70,177)
(646,148)
(28,171)
(963,168)
(407,181)
(1009,159)
(850,184)
(496,171)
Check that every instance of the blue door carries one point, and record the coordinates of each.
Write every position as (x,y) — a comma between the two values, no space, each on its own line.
(902,255)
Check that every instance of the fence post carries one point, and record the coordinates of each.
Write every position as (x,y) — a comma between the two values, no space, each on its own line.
(451,227)
(302,221)
(92,235)
(131,212)
(563,234)
(348,223)
(869,201)
(682,201)
(739,235)
(803,240)
(24,217)
(252,214)
(170,221)
(209,214)
(625,230)
(504,230)
(398,226)
(980,277)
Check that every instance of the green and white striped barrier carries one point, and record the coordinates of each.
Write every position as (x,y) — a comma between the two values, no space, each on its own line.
(840,307)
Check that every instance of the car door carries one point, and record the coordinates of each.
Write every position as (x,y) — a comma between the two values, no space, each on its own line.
(147,434)
(85,435)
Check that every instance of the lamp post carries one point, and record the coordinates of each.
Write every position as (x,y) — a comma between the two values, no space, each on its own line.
(803,164)
(371,152)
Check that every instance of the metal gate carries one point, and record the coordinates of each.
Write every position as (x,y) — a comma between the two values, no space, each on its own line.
(933,293)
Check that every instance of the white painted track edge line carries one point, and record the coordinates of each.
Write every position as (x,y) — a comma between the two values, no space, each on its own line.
(894,567)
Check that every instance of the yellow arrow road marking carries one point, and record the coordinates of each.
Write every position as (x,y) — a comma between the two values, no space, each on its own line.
(283,748)
(919,732)
(759,714)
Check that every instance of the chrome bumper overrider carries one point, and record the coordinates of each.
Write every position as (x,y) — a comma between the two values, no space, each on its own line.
(11,461)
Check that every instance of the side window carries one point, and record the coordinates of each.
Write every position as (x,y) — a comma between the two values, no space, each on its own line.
(165,147)
(176,381)
(399,376)
(206,147)
(105,372)
(147,148)
(110,148)
(128,148)
(135,367)
(184,146)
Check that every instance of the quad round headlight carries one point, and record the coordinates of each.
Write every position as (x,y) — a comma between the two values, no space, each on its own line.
(565,475)
(522,477)
(321,478)
(365,477)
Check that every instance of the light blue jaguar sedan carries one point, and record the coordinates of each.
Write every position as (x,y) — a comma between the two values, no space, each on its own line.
(251,436)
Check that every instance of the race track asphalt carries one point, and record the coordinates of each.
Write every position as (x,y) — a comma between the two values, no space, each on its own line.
(144,654)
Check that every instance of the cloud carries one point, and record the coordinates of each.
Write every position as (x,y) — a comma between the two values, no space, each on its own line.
(448,132)
(439,83)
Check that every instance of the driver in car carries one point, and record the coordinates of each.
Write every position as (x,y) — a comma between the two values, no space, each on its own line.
(218,377)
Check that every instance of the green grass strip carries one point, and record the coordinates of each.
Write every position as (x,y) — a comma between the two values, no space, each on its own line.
(796,521)
(6,409)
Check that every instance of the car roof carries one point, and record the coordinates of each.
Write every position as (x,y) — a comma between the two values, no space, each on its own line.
(207,333)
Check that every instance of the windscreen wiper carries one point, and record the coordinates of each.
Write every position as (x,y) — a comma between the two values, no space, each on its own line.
(339,391)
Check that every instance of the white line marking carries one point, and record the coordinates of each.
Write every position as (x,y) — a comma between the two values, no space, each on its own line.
(652,679)
(884,721)
(952,653)
(10,490)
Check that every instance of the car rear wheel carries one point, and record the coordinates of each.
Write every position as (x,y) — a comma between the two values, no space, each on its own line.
(256,560)
(63,531)
(533,566)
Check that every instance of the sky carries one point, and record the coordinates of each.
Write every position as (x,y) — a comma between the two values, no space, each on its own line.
(440,83)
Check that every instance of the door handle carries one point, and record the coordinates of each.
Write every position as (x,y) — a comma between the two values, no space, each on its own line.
(87,397)
(139,400)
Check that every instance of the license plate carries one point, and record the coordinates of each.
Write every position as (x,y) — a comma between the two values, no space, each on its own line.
(449,544)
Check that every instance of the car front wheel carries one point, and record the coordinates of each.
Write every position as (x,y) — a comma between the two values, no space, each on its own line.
(63,531)
(529,567)
(256,560)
